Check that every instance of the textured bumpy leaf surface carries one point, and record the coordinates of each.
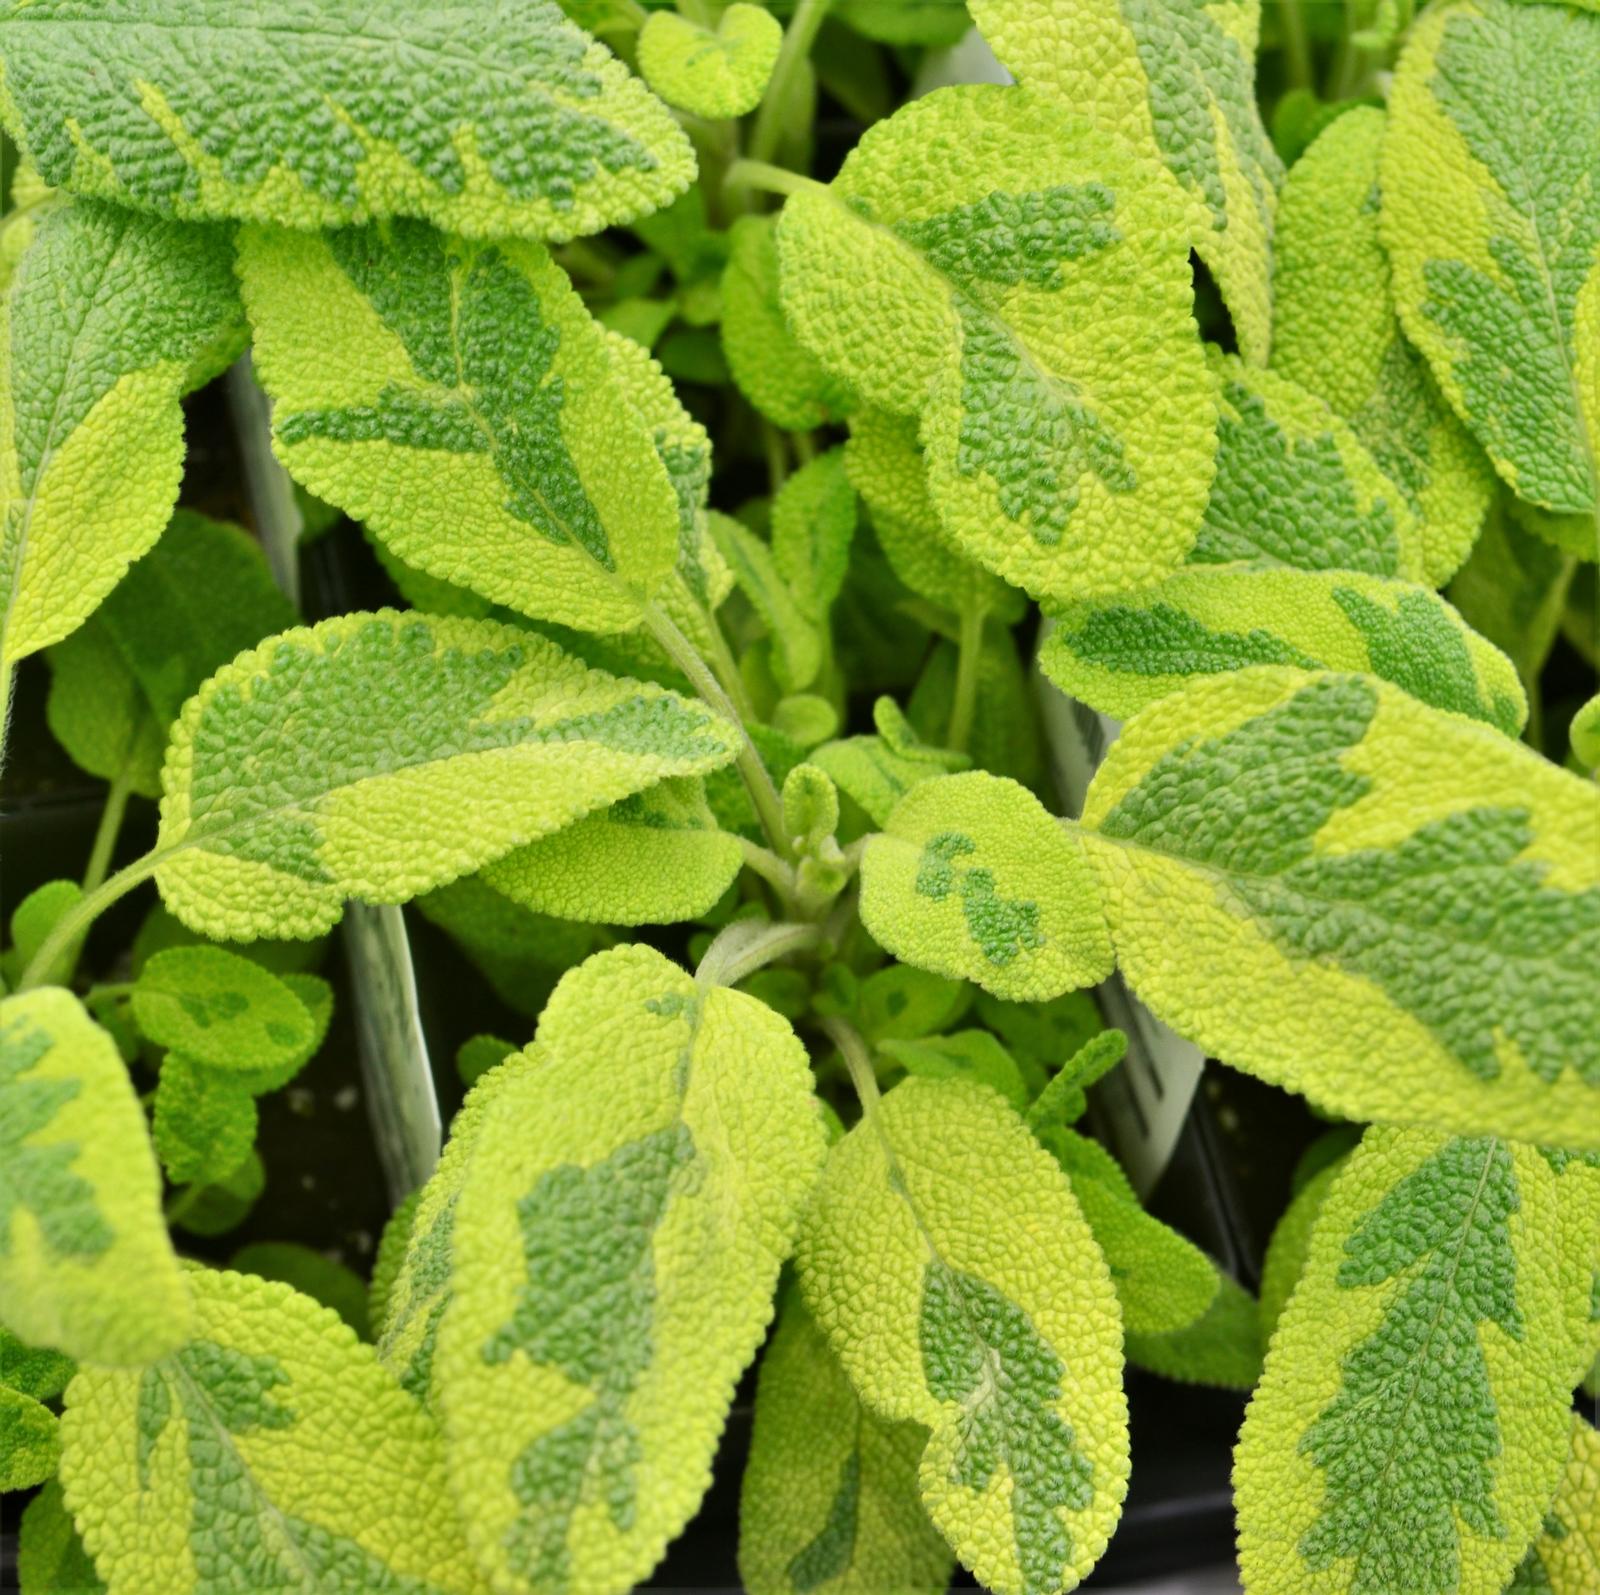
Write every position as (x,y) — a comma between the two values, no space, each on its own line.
(200,596)
(782,379)
(459,400)
(380,755)
(1491,215)
(204,1122)
(712,72)
(1411,1424)
(813,520)
(1005,272)
(110,318)
(1392,910)
(1001,1338)
(270,1451)
(886,468)
(1335,331)
(614,1256)
(1221,1348)
(415,1299)
(830,1491)
(974,879)
(51,1559)
(30,1447)
(1178,81)
(1290,1246)
(85,1264)
(1295,486)
(649,859)
(220,1009)
(488,121)
(1122,653)
(1565,1559)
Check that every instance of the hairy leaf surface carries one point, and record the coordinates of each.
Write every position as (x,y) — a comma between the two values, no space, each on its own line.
(1295,486)
(829,1501)
(110,318)
(1120,654)
(1177,80)
(270,1451)
(1336,331)
(1002,1339)
(221,1009)
(1565,1558)
(614,1257)
(459,399)
(85,1263)
(380,755)
(716,72)
(1392,910)
(1006,273)
(1413,1417)
(973,879)
(505,120)
(1491,216)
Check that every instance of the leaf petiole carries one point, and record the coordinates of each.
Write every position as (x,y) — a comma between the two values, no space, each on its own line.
(83,913)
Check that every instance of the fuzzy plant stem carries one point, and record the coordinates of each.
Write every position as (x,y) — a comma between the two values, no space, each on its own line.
(83,914)
(751,173)
(107,832)
(969,656)
(744,947)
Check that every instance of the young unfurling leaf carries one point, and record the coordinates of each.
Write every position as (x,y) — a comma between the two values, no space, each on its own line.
(798,646)
(1411,1425)
(1119,654)
(110,318)
(1295,486)
(959,269)
(652,858)
(878,771)
(813,520)
(492,123)
(200,596)
(1392,910)
(973,879)
(783,380)
(715,73)
(1335,331)
(357,728)
(1002,1339)
(830,1504)
(614,1254)
(85,1263)
(1178,80)
(459,399)
(270,1449)
(1491,216)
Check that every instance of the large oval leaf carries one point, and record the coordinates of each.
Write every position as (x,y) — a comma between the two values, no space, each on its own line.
(1411,1424)
(1000,1337)
(459,400)
(1178,80)
(1392,910)
(85,1263)
(1008,274)
(1491,215)
(270,1451)
(1335,331)
(377,756)
(110,318)
(829,1505)
(490,122)
(1119,654)
(614,1257)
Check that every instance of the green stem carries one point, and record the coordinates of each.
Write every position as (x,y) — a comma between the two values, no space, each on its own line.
(82,914)
(1296,44)
(763,793)
(698,11)
(109,991)
(764,862)
(745,946)
(105,836)
(968,657)
(751,173)
(805,448)
(857,1060)
(181,1204)
(5,706)
(726,668)
(772,119)
(772,445)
